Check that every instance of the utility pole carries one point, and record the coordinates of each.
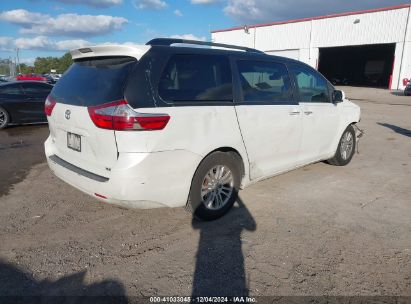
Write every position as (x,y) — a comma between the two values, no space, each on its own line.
(10,67)
(18,60)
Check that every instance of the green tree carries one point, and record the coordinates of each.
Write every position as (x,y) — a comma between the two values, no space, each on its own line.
(64,62)
(43,65)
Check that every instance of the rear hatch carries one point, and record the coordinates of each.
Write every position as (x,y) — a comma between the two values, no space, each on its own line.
(88,83)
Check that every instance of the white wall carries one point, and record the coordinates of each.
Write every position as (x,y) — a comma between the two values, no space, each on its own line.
(293,54)
(308,36)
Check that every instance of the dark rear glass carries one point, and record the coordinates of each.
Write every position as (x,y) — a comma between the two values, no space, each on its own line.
(189,77)
(90,82)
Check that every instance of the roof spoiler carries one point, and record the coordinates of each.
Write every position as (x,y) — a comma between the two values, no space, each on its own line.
(136,51)
(170,41)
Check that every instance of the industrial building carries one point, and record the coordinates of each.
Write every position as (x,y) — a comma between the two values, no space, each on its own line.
(363,48)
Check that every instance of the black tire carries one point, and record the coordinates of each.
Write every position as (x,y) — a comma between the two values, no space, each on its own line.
(195,203)
(4,118)
(338,159)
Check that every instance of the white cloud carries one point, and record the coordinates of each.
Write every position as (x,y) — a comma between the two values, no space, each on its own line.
(66,45)
(189,37)
(6,43)
(178,13)
(42,43)
(93,3)
(22,17)
(255,11)
(204,1)
(27,60)
(36,43)
(149,4)
(63,25)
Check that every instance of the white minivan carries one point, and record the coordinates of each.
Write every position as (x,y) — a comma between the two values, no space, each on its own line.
(166,124)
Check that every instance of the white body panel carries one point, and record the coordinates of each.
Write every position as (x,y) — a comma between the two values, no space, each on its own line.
(98,147)
(272,135)
(321,123)
(138,180)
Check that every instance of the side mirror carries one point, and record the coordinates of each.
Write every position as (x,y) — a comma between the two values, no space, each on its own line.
(338,96)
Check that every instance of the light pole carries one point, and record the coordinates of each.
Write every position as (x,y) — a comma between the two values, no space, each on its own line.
(18,60)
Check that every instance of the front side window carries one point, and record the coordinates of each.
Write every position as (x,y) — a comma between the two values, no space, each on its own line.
(311,85)
(264,81)
(193,77)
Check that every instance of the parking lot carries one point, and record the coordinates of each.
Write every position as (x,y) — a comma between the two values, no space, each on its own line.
(318,230)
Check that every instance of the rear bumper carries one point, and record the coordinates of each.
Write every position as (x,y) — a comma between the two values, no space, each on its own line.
(138,180)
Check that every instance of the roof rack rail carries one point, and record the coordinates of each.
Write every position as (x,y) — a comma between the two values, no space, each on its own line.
(170,41)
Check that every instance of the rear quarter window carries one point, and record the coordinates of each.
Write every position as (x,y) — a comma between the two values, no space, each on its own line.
(195,77)
(11,89)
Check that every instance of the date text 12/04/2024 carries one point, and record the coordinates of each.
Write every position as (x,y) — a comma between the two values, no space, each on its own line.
(202,300)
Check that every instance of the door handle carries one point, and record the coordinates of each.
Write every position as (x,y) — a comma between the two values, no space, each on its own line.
(295,113)
(308,112)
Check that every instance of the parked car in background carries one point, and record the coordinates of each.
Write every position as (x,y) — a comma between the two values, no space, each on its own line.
(23,102)
(49,79)
(35,77)
(165,125)
(56,77)
(407,90)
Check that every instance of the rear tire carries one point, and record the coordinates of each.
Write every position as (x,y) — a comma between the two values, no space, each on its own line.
(346,148)
(4,118)
(214,186)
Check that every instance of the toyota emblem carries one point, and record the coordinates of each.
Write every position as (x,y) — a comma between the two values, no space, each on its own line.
(67,114)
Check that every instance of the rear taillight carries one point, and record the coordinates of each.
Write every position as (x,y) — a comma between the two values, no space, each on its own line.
(49,105)
(120,116)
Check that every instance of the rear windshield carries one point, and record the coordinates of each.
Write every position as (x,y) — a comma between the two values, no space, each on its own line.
(90,82)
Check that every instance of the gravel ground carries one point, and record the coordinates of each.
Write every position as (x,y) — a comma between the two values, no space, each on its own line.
(318,230)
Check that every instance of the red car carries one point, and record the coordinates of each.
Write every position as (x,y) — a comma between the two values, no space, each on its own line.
(31,77)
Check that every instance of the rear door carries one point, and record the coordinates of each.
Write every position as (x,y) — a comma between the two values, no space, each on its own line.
(35,95)
(320,115)
(88,82)
(12,98)
(269,118)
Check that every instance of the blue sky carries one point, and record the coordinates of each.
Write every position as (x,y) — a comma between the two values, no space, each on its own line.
(51,27)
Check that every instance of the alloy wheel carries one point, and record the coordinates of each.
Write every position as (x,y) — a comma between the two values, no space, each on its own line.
(217,187)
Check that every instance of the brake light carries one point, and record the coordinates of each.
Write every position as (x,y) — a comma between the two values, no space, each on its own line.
(49,105)
(120,116)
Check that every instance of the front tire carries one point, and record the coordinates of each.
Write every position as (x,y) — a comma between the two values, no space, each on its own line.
(346,148)
(4,118)
(215,186)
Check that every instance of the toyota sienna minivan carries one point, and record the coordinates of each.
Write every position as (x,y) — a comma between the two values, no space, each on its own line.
(171,123)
